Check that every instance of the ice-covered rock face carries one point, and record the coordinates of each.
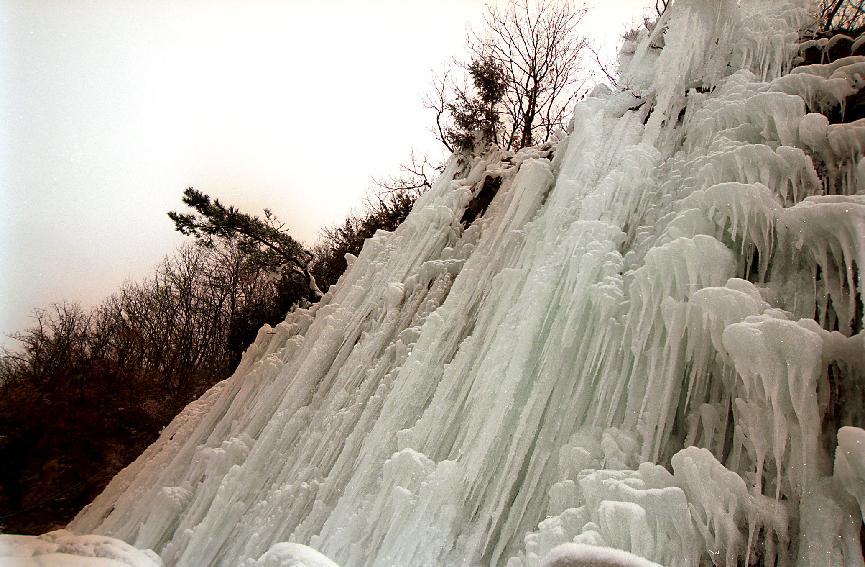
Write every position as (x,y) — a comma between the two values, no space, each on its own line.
(648,341)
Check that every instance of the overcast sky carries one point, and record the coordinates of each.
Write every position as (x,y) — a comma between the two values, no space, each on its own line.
(109,109)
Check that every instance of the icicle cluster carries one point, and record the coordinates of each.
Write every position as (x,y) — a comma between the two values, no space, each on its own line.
(648,341)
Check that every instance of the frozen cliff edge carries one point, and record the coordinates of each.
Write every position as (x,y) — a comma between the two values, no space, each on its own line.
(651,340)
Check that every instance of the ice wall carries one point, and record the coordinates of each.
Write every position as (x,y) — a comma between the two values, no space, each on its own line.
(647,342)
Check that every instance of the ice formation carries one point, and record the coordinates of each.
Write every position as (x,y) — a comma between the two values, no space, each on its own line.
(651,341)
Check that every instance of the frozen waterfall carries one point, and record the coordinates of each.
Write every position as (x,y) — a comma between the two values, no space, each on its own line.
(650,340)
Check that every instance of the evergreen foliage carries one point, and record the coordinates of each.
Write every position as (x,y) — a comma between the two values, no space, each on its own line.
(265,240)
(475,116)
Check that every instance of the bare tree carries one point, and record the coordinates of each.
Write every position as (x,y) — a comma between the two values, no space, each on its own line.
(841,15)
(437,101)
(540,51)
(413,178)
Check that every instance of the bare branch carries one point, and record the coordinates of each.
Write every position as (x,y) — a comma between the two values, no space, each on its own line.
(537,46)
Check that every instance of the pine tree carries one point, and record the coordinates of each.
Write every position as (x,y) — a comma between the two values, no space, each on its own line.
(264,239)
(476,117)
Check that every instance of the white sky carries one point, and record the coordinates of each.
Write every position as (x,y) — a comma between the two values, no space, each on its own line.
(109,109)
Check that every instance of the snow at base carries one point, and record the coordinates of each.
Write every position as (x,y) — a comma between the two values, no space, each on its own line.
(651,342)
(582,555)
(64,549)
(285,554)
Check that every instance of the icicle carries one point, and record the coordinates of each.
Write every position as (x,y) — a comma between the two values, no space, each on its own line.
(779,363)
(850,463)
(831,229)
(718,500)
